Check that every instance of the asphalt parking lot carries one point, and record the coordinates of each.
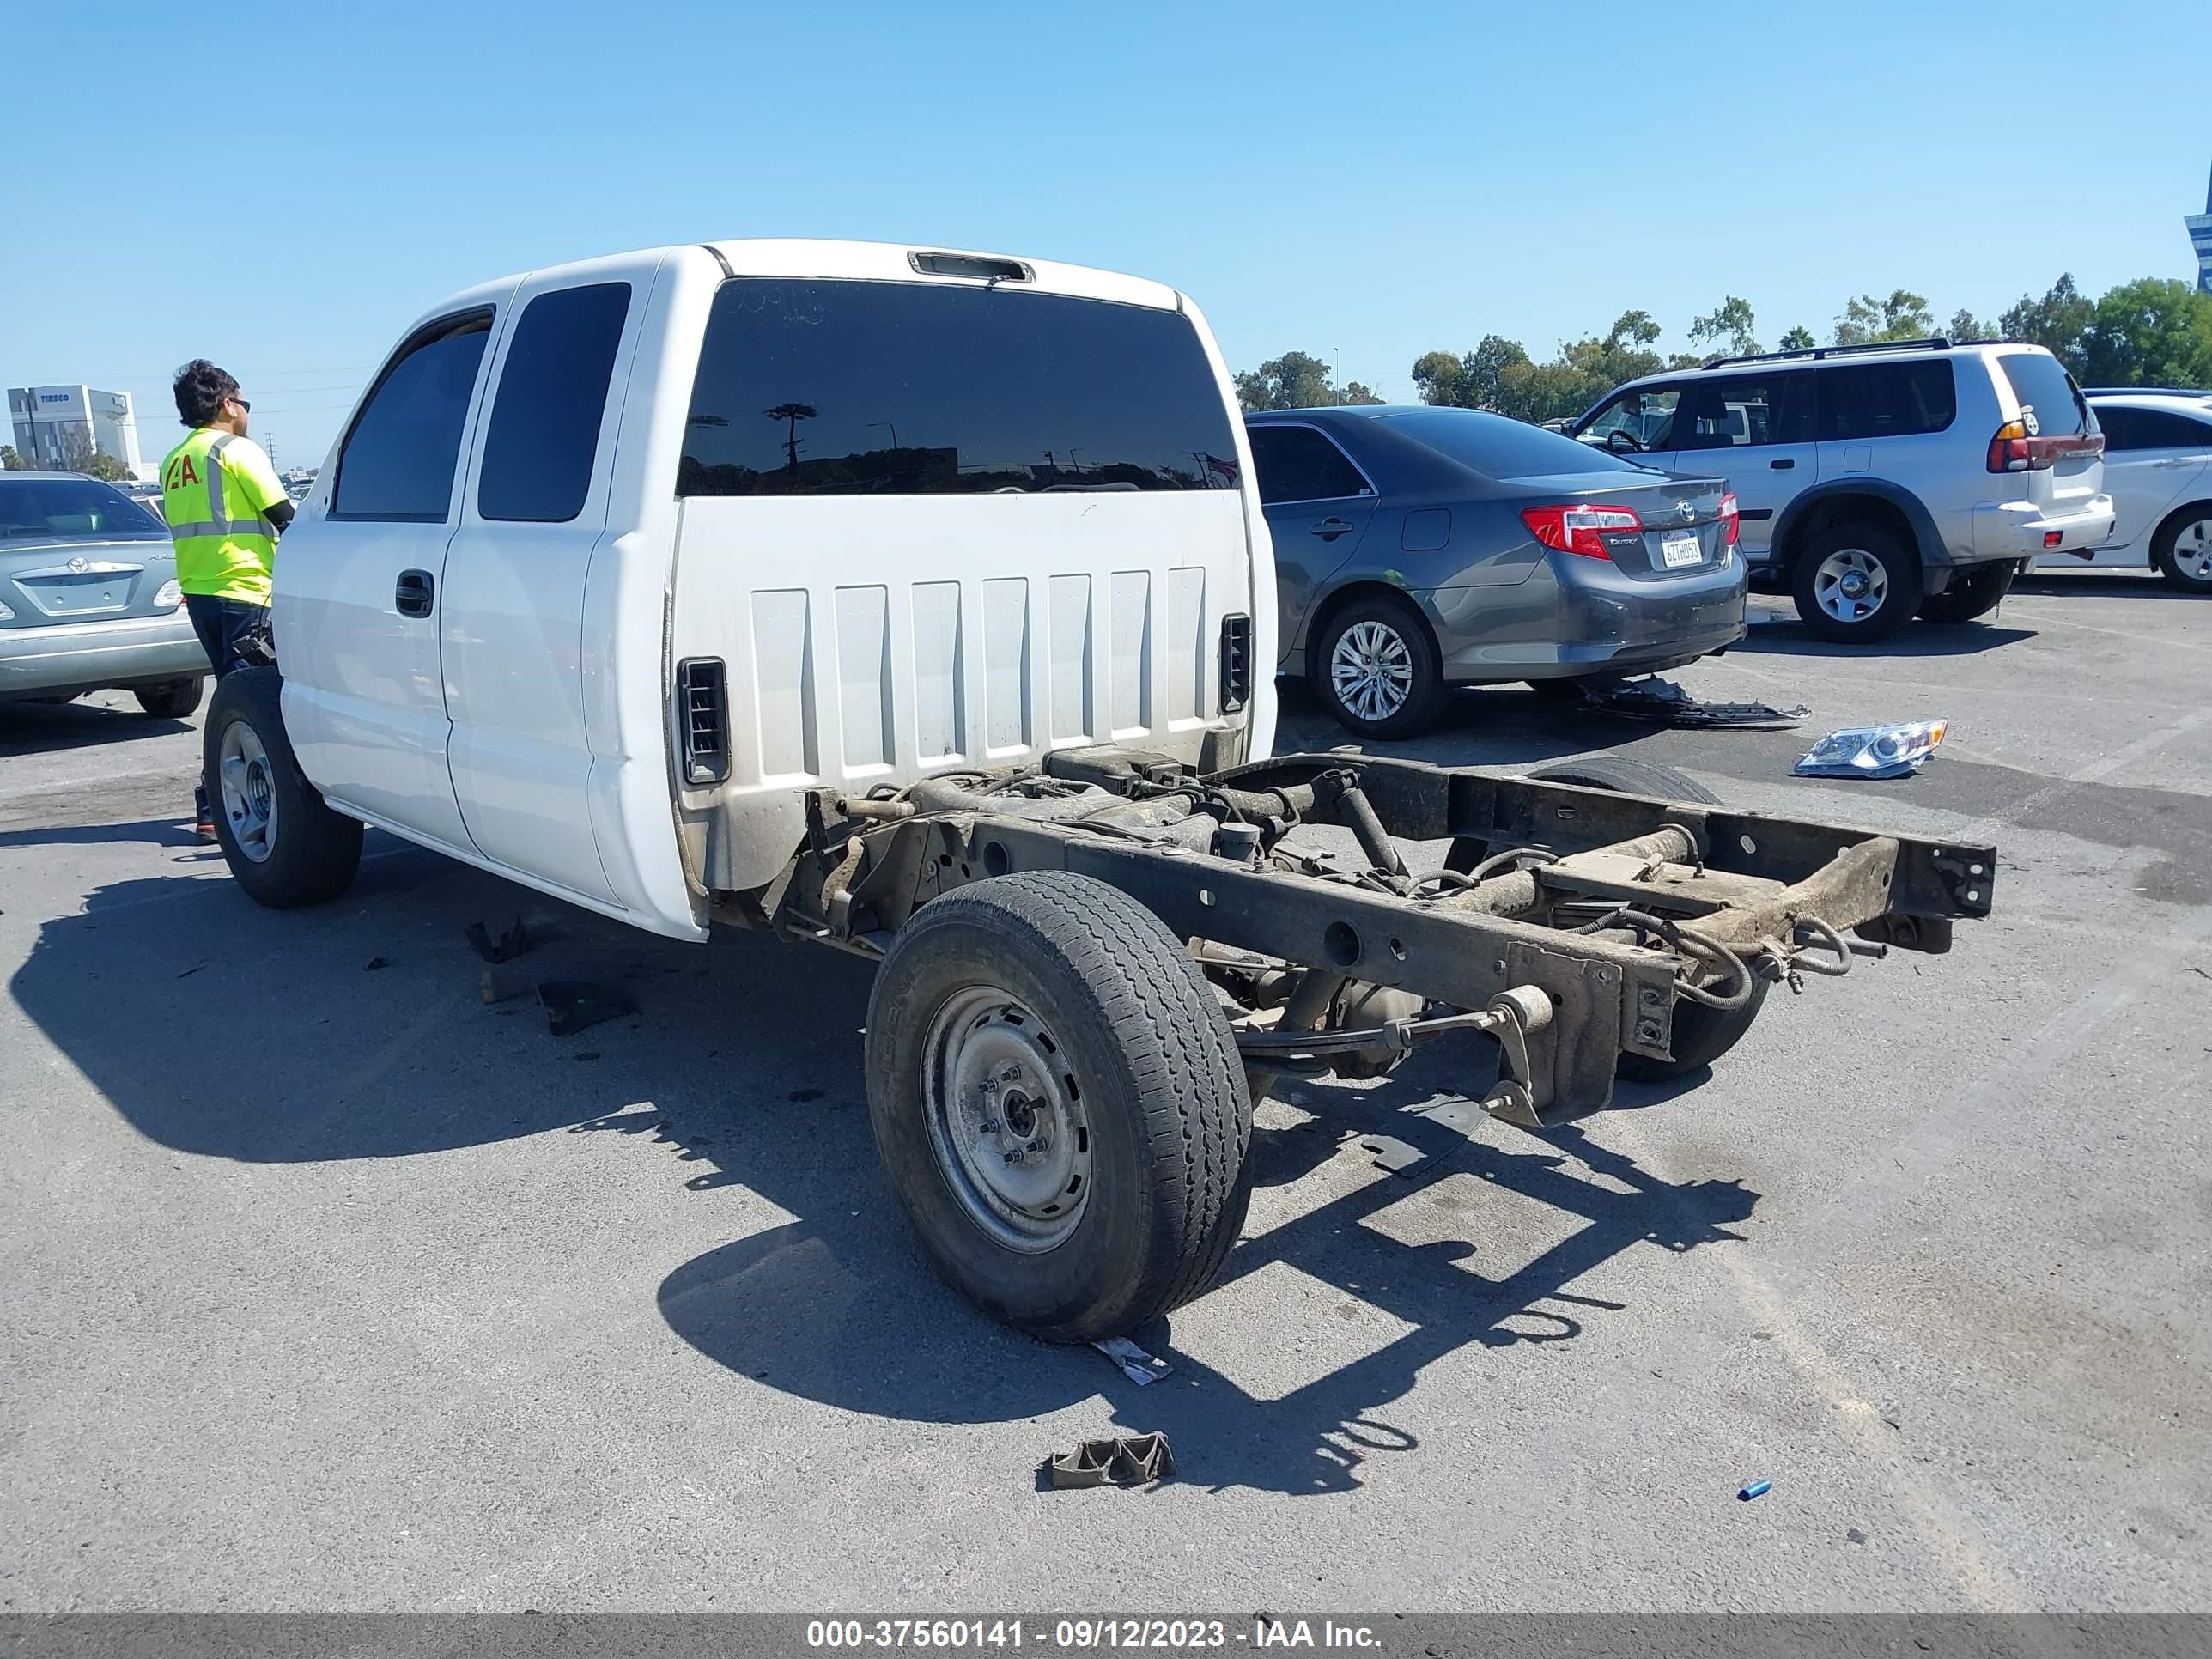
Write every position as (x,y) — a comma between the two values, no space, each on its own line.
(332,1288)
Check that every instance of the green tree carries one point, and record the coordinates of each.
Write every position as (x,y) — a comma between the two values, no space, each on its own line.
(1354,395)
(12,459)
(1799,339)
(2056,322)
(1478,381)
(1297,380)
(1965,326)
(1870,321)
(1726,328)
(2152,331)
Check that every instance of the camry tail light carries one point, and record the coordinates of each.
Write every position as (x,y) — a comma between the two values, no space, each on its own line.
(1581,528)
(1731,520)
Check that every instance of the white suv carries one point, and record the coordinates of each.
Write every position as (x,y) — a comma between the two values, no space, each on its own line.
(1879,482)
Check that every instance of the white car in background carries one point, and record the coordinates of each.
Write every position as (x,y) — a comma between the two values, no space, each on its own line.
(2158,471)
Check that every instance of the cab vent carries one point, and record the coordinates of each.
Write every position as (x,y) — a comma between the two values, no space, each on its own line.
(703,711)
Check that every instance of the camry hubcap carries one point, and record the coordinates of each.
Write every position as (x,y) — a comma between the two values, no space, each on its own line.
(1851,585)
(2192,550)
(1006,1120)
(249,792)
(1371,670)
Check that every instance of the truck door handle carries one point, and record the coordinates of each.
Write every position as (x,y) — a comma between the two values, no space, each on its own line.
(1329,529)
(414,593)
(1781,466)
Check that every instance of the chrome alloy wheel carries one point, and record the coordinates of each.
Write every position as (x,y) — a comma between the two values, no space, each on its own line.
(1372,671)
(1851,585)
(1006,1120)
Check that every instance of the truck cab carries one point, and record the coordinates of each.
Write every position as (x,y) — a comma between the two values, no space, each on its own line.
(616,560)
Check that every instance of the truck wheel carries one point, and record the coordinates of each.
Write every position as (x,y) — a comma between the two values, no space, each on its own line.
(1702,1035)
(283,846)
(1377,669)
(2182,550)
(1855,584)
(1972,593)
(173,701)
(1058,1100)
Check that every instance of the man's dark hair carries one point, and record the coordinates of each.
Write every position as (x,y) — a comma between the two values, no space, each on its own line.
(200,388)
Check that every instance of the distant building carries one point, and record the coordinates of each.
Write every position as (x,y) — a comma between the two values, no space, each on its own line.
(45,417)
(2200,238)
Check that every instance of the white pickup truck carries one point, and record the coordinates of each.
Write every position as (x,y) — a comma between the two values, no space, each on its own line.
(910,601)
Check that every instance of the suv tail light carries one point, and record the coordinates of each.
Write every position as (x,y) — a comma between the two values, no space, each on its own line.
(1731,520)
(2009,450)
(1581,528)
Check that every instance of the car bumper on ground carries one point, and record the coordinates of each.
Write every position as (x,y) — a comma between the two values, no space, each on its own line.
(1567,622)
(88,656)
(2021,530)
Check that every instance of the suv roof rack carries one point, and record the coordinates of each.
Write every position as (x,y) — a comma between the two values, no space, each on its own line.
(1933,342)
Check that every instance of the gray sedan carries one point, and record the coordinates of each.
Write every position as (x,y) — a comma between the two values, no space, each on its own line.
(88,597)
(1417,549)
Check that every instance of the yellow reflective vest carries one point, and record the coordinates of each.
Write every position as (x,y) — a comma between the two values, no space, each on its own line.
(214,489)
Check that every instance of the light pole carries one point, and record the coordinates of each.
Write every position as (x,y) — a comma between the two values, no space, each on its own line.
(889,428)
(1337,352)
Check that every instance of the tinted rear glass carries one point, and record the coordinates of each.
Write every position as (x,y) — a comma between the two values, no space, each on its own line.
(40,508)
(545,431)
(855,388)
(2041,384)
(2153,428)
(1886,400)
(1501,448)
(1300,463)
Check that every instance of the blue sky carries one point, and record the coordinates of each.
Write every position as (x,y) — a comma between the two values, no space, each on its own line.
(282,187)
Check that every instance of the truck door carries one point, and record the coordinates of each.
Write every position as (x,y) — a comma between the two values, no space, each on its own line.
(512,618)
(360,581)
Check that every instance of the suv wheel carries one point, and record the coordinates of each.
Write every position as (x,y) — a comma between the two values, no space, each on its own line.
(2182,550)
(1972,593)
(1855,584)
(1378,671)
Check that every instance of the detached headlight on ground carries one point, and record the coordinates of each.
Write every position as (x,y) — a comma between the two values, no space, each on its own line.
(1873,751)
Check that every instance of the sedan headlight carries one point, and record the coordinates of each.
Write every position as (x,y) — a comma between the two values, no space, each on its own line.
(1873,751)
(168,597)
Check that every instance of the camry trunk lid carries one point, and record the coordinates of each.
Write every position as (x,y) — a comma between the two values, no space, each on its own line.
(1654,528)
(67,579)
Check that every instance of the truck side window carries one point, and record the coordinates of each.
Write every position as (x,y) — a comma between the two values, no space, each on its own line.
(545,431)
(884,388)
(398,461)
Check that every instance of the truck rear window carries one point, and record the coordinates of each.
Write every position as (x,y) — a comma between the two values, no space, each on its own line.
(869,388)
(2042,384)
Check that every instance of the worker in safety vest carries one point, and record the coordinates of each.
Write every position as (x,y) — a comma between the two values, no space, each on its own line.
(226,507)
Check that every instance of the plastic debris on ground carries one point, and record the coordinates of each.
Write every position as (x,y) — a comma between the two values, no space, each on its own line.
(1133,1460)
(1755,1489)
(1136,1365)
(505,984)
(571,1004)
(514,942)
(1873,751)
(1655,699)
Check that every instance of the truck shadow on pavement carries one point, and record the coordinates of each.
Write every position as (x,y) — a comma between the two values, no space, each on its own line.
(356,1032)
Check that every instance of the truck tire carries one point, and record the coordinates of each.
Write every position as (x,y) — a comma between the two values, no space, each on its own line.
(1702,1035)
(1855,583)
(283,846)
(173,701)
(1377,669)
(2181,551)
(1972,592)
(1057,1098)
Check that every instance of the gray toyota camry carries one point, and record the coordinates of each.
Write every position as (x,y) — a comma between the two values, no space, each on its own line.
(1418,549)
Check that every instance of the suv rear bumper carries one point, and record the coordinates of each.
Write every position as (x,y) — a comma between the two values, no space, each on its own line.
(2020,530)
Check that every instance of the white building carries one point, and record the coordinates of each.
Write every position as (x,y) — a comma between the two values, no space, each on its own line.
(2200,238)
(45,416)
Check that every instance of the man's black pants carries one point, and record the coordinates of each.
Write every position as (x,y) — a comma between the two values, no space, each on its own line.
(221,624)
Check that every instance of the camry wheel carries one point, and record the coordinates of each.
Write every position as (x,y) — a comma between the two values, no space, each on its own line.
(1377,669)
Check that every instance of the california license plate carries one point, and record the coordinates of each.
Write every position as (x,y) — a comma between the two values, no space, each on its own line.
(1677,550)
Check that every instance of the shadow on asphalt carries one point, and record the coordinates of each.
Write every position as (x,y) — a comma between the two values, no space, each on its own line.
(1791,638)
(2066,584)
(1482,725)
(38,728)
(154,832)
(355,1031)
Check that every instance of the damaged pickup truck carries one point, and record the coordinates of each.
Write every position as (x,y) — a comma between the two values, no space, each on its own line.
(918,603)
